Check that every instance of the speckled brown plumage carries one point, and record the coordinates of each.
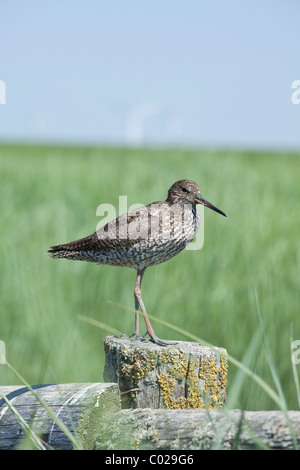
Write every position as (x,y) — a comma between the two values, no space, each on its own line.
(150,235)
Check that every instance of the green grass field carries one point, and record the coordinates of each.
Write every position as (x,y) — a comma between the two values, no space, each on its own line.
(49,195)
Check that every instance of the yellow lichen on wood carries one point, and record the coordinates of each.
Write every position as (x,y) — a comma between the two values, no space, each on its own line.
(215,381)
(177,361)
(194,399)
(136,364)
(211,396)
(166,383)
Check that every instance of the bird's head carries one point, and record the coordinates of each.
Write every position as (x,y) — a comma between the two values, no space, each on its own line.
(188,192)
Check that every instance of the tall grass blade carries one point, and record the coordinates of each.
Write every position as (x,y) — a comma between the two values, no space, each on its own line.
(294,368)
(99,324)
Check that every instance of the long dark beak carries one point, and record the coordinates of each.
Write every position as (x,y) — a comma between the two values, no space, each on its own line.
(200,200)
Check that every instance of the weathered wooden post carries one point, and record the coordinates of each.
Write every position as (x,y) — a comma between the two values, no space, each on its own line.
(182,376)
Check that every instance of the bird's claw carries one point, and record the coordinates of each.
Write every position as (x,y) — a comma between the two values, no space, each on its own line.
(161,342)
(137,337)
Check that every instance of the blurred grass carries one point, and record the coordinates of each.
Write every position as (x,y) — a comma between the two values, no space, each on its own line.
(49,195)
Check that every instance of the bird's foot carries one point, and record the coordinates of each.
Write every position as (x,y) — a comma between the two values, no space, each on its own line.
(136,336)
(155,339)
(161,342)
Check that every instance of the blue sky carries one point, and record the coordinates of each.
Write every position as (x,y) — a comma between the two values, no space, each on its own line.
(197,73)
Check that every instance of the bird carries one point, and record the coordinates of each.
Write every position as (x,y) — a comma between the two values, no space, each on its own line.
(147,236)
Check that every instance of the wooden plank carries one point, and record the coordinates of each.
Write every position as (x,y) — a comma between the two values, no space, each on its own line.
(81,407)
(184,375)
(198,430)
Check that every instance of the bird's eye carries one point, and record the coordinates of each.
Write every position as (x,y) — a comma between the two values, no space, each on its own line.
(185,190)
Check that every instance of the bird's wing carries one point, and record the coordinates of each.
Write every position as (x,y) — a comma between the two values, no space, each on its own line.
(124,231)
(154,220)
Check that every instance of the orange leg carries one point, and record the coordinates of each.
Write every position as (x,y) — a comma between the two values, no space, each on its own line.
(139,303)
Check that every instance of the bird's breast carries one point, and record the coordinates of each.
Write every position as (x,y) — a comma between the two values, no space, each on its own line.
(170,223)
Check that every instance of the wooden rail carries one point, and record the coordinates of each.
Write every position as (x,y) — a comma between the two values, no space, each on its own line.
(144,429)
(81,407)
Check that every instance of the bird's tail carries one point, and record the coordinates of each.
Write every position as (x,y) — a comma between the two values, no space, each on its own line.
(60,251)
(72,250)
